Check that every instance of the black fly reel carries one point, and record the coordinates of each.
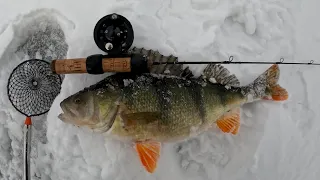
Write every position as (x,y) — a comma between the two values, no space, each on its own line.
(113,34)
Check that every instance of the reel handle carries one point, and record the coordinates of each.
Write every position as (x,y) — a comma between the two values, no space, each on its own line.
(99,64)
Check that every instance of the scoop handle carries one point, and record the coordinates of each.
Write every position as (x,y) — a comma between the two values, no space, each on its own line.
(27,147)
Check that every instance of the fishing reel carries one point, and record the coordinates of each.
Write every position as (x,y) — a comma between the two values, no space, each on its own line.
(113,34)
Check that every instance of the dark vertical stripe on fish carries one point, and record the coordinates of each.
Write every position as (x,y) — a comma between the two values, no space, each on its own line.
(128,97)
(164,97)
(196,92)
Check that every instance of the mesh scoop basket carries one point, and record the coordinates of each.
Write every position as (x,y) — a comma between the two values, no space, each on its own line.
(32,87)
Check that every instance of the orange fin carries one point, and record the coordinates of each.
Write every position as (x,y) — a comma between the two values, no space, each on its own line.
(230,122)
(149,153)
(273,74)
(277,93)
(236,130)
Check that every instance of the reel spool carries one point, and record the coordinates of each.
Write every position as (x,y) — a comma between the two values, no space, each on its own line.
(113,34)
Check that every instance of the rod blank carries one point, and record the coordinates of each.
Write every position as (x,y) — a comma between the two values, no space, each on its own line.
(239,62)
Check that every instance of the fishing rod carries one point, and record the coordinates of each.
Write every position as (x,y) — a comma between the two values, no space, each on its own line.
(138,61)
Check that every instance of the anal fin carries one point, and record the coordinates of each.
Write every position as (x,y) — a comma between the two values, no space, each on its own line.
(230,121)
(149,153)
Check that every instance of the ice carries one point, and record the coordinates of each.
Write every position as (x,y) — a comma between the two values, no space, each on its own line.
(277,140)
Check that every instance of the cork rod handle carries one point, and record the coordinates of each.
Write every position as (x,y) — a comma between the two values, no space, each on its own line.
(69,66)
(80,65)
(116,64)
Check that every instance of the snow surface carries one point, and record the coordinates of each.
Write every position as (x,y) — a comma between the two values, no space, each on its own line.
(276,140)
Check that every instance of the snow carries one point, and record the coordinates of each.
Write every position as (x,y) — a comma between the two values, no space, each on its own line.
(276,140)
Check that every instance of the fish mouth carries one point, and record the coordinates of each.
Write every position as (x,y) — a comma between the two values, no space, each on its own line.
(62,117)
(66,112)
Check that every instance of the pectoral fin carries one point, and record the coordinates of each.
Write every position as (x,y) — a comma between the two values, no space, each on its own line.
(149,153)
(230,122)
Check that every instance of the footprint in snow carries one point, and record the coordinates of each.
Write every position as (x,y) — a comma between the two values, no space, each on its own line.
(38,34)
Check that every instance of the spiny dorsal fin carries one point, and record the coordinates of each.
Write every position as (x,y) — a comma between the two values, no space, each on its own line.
(220,74)
(166,69)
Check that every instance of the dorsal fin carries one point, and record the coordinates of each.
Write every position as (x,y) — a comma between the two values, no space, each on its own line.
(220,74)
(165,69)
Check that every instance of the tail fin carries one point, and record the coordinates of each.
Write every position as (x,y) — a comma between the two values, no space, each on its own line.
(266,86)
(273,90)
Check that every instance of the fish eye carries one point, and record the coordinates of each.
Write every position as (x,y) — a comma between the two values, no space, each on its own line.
(77,101)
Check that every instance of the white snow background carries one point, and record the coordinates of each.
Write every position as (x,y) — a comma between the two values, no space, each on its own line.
(277,141)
